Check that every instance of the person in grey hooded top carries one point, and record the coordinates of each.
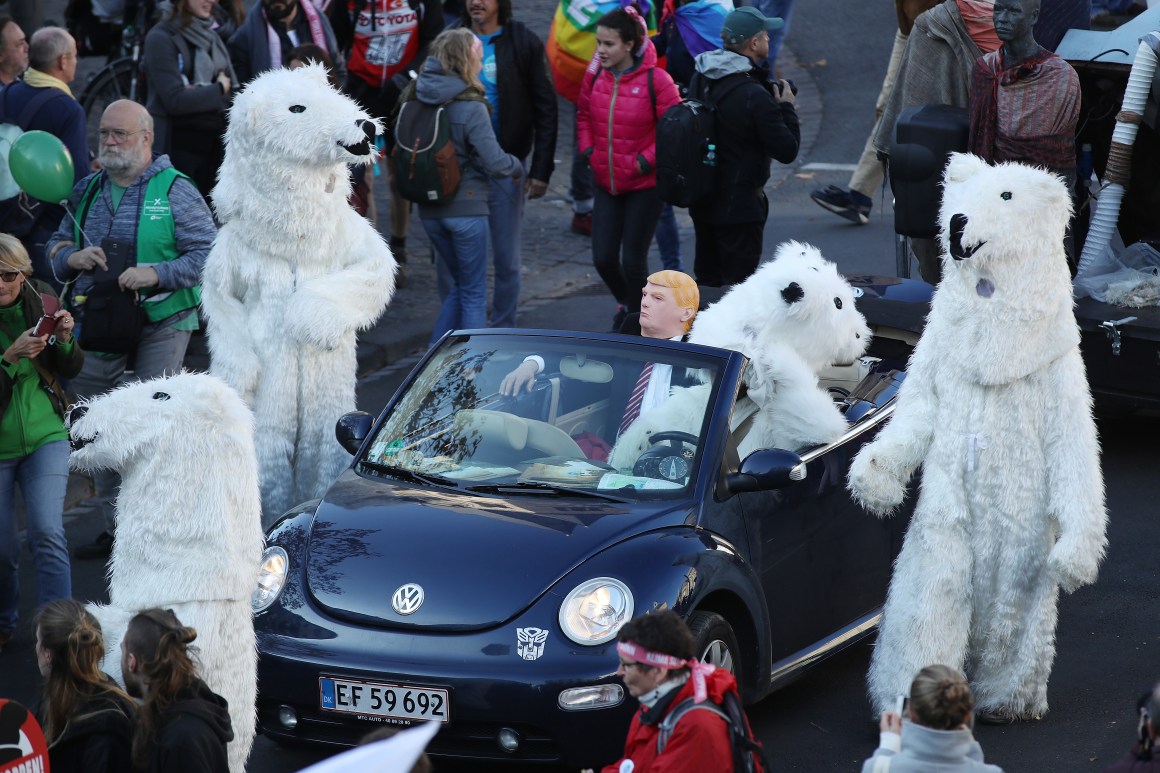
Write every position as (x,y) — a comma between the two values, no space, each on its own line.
(937,735)
(458,228)
(756,122)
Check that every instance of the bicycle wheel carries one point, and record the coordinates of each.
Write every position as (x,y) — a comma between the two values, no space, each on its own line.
(120,79)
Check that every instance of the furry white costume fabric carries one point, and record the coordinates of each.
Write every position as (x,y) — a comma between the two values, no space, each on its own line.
(793,318)
(996,408)
(189,535)
(294,274)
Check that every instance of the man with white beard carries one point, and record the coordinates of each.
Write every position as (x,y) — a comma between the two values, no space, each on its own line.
(142,230)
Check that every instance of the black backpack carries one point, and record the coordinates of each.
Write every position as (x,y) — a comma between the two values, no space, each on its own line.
(424,161)
(748,753)
(685,175)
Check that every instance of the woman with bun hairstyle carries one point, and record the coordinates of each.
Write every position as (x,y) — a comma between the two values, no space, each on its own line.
(87,719)
(623,95)
(936,734)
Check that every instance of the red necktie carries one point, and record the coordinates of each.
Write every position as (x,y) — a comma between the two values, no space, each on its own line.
(632,410)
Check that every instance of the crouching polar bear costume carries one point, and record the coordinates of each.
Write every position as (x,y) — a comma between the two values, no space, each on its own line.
(189,535)
(996,409)
(294,274)
(794,317)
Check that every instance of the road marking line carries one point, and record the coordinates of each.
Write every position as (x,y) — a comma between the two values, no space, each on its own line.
(818,167)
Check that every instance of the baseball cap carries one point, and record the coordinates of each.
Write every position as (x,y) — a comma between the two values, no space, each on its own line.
(745,22)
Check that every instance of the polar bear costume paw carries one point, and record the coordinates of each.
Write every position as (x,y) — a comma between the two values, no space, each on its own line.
(879,489)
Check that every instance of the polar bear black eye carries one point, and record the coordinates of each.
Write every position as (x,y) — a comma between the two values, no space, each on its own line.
(297,108)
(837,303)
(160,396)
(1005,195)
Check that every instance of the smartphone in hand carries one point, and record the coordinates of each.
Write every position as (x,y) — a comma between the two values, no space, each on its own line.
(44,326)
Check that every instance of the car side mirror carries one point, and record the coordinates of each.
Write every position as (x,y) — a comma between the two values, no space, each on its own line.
(352,429)
(765,469)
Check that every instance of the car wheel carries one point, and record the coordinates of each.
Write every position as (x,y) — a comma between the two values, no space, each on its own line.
(716,642)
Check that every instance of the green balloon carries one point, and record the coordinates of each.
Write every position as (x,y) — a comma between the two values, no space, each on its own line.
(42,166)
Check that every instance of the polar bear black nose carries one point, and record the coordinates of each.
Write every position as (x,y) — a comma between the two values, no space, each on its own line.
(76,413)
(368,128)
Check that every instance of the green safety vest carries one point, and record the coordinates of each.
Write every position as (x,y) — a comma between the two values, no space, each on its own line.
(155,241)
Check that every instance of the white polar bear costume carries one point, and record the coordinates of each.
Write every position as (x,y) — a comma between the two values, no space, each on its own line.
(189,535)
(794,317)
(996,408)
(294,274)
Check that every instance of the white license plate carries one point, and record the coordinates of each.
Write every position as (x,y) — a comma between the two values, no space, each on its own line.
(383,700)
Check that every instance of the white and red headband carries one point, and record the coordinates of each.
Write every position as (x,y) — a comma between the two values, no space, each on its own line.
(697,669)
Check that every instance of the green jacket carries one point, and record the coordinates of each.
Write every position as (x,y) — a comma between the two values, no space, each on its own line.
(31,407)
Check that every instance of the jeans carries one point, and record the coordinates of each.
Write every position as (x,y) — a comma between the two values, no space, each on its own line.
(669,239)
(582,184)
(505,223)
(160,353)
(461,244)
(783,9)
(622,228)
(43,478)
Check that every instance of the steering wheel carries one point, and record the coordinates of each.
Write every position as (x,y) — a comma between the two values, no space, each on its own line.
(668,463)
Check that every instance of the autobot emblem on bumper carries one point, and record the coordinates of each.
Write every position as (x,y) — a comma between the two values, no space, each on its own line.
(407,599)
(530,642)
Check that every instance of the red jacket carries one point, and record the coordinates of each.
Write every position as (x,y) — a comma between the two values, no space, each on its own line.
(699,743)
(624,102)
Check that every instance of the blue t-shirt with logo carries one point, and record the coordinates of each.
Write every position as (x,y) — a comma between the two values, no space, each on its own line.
(488,76)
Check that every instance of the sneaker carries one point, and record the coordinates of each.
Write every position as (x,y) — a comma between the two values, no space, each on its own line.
(101,547)
(844,203)
(582,223)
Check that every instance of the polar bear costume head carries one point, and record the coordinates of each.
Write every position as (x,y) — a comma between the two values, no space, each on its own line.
(799,301)
(1006,290)
(290,139)
(297,115)
(184,446)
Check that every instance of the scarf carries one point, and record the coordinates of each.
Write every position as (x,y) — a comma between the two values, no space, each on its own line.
(1039,148)
(41,80)
(210,56)
(317,36)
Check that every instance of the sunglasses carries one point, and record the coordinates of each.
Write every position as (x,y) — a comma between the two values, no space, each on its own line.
(9,276)
(637,666)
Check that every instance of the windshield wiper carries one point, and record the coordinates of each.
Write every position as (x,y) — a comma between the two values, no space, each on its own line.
(546,488)
(410,475)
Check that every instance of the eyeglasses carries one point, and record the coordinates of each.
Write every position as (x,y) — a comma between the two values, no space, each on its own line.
(9,276)
(117,135)
(637,666)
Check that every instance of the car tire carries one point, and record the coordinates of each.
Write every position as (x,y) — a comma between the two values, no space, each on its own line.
(716,642)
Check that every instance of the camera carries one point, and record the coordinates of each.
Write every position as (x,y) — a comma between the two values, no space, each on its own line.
(44,326)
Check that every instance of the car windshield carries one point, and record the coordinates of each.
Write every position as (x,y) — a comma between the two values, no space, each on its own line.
(623,420)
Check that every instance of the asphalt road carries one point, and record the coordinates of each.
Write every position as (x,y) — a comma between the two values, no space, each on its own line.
(1107,636)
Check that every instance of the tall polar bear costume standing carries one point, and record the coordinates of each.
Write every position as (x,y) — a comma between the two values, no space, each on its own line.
(294,274)
(189,533)
(996,408)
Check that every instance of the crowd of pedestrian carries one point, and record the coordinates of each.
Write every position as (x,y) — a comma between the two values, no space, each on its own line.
(497,83)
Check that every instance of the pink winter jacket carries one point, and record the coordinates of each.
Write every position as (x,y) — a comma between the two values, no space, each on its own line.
(616,122)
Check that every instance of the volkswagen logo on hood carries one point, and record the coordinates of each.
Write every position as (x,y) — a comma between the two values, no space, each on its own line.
(407,599)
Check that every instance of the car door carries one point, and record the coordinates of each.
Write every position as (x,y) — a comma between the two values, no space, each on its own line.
(824,563)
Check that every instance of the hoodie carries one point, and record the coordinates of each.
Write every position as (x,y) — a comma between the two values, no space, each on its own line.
(926,750)
(752,129)
(476,148)
(98,737)
(194,735)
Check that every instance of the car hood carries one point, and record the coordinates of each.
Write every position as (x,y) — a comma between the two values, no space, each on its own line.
(480,560)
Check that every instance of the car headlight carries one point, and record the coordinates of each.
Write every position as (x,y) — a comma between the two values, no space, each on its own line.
(593,612)
(271,578)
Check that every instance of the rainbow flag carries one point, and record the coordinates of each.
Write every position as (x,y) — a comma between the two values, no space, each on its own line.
(700,23)
(572,39)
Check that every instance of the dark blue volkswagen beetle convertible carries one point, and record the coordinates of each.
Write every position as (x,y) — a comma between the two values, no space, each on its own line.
(473,565)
